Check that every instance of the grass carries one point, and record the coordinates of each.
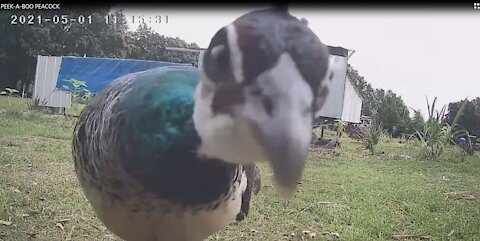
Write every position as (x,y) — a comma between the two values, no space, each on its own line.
(353,196)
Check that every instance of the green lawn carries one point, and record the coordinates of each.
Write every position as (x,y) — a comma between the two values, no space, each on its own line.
(351,196)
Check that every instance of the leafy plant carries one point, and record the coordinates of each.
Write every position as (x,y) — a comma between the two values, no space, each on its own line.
(77,84)
(436,133)
(340,127)
(80,91)
(373,135)
(36,104)
(9,92)
(86,97)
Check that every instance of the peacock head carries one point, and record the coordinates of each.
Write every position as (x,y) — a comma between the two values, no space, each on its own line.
(261,82)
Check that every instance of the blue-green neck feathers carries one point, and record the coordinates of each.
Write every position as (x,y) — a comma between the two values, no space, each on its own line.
(159,108)
(159,141)
(161,105)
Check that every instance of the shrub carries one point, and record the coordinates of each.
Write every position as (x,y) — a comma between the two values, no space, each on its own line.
(436,133)
(373,134)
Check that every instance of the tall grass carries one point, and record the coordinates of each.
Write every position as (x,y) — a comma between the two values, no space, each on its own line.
(36,104)
(436,133)
(340,127)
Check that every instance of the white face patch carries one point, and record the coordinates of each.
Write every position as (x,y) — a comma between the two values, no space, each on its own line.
(286,88)
(291,97)
(236,56)
(222,136)
(232,139)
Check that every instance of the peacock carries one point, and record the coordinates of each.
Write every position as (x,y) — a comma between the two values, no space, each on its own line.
(171,153)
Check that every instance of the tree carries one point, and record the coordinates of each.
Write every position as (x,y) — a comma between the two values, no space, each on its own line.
(385,106)
(469,119)
(149,45)
(392,112)
(418,122)
(15,61)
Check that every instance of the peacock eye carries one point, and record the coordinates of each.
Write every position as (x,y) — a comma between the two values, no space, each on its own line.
(268,105)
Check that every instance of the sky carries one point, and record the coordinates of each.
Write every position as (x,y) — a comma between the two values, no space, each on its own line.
(434,53)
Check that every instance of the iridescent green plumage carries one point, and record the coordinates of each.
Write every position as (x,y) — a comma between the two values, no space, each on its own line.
(148,132)
(160,107)
(135,149)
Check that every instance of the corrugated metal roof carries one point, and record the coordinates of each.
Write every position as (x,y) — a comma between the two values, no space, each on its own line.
(338,51)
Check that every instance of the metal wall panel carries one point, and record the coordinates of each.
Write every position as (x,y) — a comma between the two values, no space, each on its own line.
(352,104)
(332,107)
(200,59)
(45,81)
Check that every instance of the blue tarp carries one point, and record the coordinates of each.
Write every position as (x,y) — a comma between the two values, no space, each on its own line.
(98,73)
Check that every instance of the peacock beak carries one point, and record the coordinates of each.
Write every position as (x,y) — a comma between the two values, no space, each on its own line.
(284,130)
(286,150)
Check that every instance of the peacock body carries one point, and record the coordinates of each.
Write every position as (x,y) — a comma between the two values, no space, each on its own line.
(135,155)
(170,153)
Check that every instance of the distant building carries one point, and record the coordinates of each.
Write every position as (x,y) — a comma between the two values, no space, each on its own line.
(344,101)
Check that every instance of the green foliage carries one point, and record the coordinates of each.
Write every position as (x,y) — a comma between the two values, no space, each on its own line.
(77,84)
(373,135)
(9,92)
(436,133)
(80,92)
(86,97)
(386,105)
(418,122)
(146,44)
(36,104)
(355,195)
(395,117)
(340,127)
(392,112)
(470,117)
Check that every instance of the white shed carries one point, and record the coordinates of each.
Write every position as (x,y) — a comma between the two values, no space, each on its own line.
(344,101)
(44,88)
